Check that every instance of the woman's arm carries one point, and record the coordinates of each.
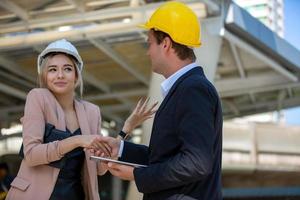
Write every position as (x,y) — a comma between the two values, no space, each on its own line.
(35,151)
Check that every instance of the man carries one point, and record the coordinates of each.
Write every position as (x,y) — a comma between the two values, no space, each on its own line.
(184,154)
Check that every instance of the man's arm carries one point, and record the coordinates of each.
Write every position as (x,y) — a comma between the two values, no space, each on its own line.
(135,153)
(194,160)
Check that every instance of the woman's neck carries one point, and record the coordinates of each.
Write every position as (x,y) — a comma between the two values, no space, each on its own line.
(66,101)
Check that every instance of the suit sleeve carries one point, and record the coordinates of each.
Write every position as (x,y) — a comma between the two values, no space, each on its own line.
(193,162)
(135,153)
(35,152)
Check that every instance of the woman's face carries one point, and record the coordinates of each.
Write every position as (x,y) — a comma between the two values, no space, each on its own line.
(60,75)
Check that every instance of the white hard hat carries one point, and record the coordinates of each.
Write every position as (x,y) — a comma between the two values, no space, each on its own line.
(62,46)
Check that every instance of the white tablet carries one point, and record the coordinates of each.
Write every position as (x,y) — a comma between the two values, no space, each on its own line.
(116,161)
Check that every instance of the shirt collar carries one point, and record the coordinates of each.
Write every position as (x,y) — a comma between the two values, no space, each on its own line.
(169,82)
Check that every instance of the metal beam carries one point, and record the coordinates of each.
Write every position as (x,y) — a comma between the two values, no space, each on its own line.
(105,48)
(38,10)
(79,5)
(137,92)
(12,91)
(260,107)
(252,97)
(231,87)
(95,82)
(260,89)
(258,54)
(230,103)
(12,109)
(116,108)
(17,80)
(237,60)
(102,86)
(14,68)
(11,6)
(281,96)
(97,15)
(290,92)
(92,31)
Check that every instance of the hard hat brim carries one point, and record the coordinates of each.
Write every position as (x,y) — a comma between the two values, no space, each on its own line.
(144,26)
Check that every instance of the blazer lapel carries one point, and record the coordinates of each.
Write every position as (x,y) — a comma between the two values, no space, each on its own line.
(173,88)
(85,130)
(82,118)
(60,115)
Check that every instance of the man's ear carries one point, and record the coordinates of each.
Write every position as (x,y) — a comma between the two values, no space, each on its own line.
(167,43)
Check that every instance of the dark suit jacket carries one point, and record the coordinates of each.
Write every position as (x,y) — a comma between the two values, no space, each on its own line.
(184,154)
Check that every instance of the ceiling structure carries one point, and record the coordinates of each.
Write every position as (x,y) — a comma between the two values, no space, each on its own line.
(251,75)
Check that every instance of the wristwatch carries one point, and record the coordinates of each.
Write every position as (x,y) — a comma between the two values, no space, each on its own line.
(123,134)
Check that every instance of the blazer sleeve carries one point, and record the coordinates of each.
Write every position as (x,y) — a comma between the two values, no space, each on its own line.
(193,162)
(35,152)
(135,153)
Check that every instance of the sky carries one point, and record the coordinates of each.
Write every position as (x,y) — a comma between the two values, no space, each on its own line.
(292,34)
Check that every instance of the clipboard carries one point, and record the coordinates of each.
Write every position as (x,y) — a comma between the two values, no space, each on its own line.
(97,158)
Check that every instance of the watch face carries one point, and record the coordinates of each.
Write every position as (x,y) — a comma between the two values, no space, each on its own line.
(122,134)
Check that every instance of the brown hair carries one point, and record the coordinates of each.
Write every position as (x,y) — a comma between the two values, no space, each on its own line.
(182,51)
(41,77)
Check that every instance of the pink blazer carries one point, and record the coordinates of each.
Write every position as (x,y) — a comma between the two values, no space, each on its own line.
(35,179)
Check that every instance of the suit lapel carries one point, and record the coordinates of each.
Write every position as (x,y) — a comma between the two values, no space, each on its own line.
(173,88)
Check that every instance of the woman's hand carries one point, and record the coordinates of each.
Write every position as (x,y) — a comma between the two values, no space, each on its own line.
(95,142)
(102,145)
(139,115)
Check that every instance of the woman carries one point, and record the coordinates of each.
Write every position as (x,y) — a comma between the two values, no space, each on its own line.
(57,128)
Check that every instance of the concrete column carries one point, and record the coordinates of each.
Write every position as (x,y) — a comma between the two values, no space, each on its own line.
(155,95)
(254,146)
(116,188)
(209,52)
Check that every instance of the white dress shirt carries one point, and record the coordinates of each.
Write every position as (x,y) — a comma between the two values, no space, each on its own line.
(169,82)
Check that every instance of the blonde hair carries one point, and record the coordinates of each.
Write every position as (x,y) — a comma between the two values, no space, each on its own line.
(42,76)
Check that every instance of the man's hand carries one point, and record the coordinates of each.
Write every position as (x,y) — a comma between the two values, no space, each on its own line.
(103,144)
(122,171)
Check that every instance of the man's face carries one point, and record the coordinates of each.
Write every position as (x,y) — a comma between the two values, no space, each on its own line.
(155,53)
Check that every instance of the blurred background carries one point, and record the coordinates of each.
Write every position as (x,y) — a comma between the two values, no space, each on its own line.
(250,52)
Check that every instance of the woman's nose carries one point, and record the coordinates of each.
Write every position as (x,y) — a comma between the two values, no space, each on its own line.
(60,73)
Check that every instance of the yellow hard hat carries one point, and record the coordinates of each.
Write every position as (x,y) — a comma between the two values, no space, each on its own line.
(178,21)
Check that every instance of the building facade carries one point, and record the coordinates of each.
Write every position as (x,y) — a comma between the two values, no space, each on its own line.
(270,12)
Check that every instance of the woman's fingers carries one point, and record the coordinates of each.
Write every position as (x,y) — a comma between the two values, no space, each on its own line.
(140,104)
(145,103)
(150,110)
(98,145)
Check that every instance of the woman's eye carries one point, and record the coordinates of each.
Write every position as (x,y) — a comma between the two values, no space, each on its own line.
(68,69)
(51,69)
